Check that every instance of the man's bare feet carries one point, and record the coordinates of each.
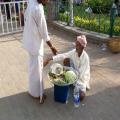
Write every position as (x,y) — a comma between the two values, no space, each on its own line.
(43,99)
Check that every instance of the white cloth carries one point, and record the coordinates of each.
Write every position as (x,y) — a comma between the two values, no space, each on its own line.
(34,35)
(81,64)
(36,85)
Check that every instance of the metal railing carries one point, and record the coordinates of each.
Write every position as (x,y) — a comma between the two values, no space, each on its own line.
(12,16)
(102,20)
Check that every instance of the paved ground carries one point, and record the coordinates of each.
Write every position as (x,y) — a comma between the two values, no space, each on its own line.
(102,101)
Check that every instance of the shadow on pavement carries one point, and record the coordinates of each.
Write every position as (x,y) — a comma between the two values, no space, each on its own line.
(104,105)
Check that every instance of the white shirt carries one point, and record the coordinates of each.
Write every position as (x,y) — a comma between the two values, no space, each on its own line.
(35,30)
(81,64)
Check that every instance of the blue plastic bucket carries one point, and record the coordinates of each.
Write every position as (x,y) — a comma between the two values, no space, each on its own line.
(61,93)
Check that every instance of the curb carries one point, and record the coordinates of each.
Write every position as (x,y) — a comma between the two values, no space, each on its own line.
(93,37)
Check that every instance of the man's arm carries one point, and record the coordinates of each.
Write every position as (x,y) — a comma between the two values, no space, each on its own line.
(53,49)
(58,57)
(42,27)
(41,23)
(47,61)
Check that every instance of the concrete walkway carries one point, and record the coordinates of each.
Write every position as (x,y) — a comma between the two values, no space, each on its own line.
(102,101)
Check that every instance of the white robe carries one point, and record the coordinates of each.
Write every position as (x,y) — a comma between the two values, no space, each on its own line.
(81,64)
(35,30)
(34,36)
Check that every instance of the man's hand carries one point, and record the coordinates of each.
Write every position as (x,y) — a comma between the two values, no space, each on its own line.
(47,61)
(66,62)
(54,51)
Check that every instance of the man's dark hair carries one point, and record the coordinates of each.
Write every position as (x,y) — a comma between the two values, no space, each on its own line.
(39,1)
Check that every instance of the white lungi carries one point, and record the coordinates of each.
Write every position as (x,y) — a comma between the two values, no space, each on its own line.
(36,85)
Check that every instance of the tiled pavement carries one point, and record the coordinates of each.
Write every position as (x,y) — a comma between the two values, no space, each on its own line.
(102,101)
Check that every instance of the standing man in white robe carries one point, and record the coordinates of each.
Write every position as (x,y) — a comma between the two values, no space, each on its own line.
(78,59)
(34,36)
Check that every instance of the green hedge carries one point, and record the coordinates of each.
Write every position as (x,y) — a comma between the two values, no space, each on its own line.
(91,24)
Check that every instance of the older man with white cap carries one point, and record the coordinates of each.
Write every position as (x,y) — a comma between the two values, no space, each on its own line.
(78,59)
